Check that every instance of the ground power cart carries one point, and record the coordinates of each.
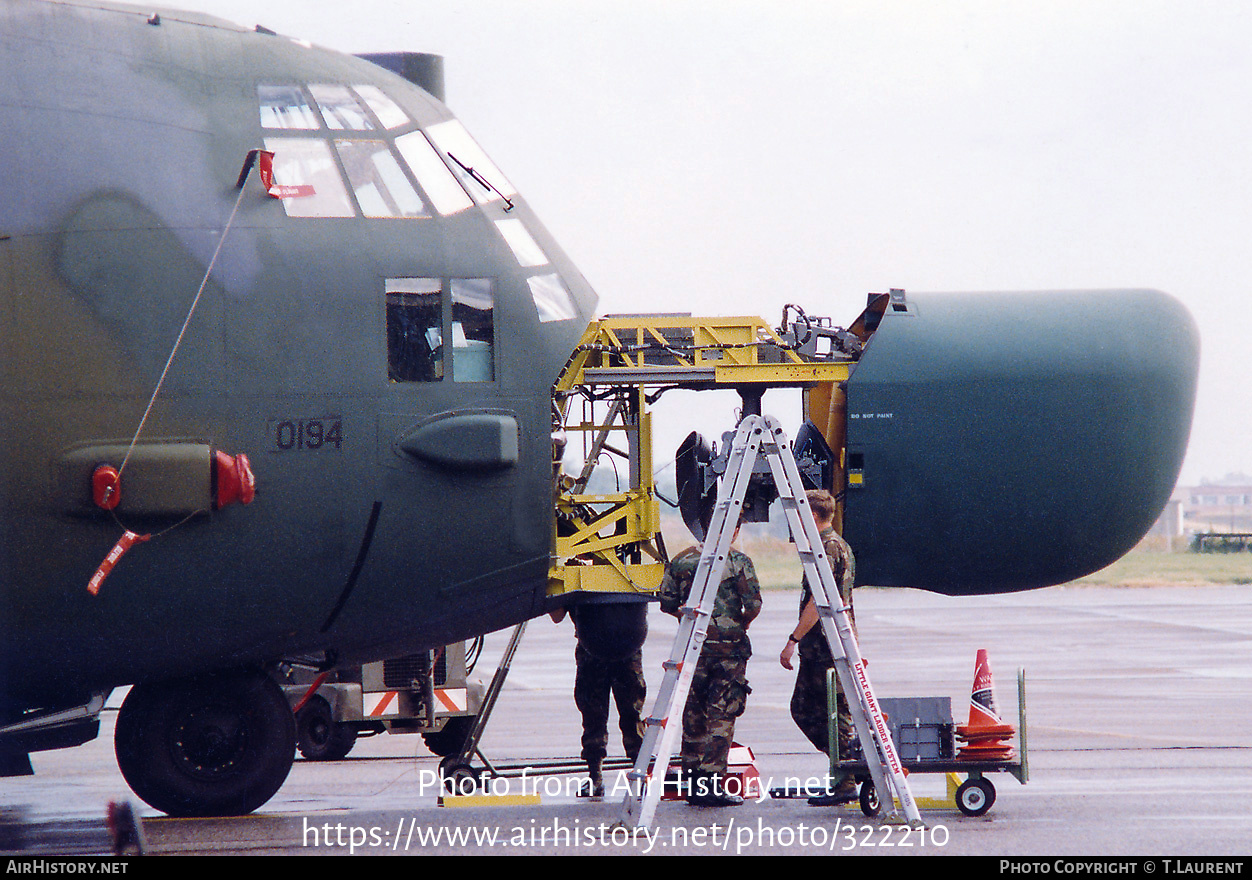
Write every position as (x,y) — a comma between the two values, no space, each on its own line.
(428,693)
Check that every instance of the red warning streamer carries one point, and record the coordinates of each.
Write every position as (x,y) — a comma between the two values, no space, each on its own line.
(129,539)
(265,166)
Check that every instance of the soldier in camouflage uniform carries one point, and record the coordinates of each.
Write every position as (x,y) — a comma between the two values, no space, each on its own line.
(809,706)
(719,689)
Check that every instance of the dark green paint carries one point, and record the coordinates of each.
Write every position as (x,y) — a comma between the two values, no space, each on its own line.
(1010,441)
(121,146)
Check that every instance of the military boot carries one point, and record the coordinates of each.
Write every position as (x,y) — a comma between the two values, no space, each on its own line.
(595,781)
(709,790)
(845,792)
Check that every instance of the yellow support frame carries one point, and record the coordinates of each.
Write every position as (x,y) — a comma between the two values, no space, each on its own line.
(679,348)
(631,353)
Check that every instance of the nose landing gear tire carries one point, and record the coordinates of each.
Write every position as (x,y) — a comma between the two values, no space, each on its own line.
(212,745)
(451,739)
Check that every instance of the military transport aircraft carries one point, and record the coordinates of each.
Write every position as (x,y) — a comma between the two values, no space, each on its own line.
(279,348)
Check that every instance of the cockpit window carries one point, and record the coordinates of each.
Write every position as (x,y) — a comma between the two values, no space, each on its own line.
(388,112)
(552,298)
(478,174)
(519,239)
(376,179)
(308,162)
(286,107)
(473,330)
(340,108)
(440,186)
(414,329)
(440,169)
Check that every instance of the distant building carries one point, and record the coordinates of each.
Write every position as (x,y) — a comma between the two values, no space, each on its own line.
(1224,506)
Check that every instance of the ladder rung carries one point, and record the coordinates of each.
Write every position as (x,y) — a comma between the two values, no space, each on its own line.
(746,447)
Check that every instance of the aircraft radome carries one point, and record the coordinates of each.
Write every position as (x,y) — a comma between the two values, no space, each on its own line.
(349,451)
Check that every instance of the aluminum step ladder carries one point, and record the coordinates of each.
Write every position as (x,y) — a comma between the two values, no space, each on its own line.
(758,435)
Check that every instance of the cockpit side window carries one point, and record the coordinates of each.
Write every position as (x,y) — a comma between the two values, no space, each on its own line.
(522,243)
(414,329)
(473,330)
(552,298)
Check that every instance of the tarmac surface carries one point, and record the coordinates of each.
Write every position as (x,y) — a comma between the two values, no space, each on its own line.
(1138,722)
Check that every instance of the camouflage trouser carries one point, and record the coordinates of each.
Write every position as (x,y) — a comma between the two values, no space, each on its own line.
(594,681)
(810,710)
(719,694)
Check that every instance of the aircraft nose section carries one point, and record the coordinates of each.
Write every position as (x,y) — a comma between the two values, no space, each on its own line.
(1009,441)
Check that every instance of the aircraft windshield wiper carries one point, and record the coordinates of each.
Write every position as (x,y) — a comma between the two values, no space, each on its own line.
(484,182)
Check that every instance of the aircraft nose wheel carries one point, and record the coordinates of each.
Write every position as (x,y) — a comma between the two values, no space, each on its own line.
(214,745)
(458,776)
(209,742)
(974,797)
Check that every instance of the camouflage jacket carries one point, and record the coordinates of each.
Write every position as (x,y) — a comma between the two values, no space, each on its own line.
(843,567)
(737,604)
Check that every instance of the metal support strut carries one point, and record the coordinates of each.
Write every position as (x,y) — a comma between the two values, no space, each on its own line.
(456,769)
(757,435)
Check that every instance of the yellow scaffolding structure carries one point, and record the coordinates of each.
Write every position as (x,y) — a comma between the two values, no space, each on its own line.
(609,543)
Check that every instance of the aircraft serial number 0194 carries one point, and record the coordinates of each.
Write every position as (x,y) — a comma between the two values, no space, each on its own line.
(306,434)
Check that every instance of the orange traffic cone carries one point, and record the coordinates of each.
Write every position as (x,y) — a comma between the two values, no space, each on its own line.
(985,734)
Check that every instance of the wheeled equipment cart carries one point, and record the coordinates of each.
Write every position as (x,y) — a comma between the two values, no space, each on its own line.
(925,737)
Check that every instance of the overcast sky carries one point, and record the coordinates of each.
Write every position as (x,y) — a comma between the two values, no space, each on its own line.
(729,157)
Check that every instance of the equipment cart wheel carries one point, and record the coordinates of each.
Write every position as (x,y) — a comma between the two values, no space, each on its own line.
(319,737)
(451,739)
(869,799)
(458,776)
(975,796)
